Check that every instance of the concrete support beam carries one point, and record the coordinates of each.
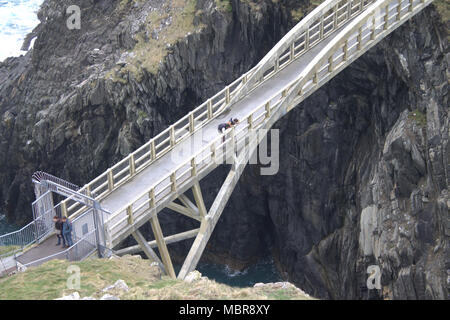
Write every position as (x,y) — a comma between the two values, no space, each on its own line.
(210,220)
(169,240)
(151,255)
(162,247)
(183,210)
(199,199)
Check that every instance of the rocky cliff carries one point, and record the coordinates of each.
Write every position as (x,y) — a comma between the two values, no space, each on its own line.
(364,162)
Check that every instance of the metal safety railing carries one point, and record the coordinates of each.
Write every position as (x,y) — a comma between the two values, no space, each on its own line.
(17,241)
(81,249)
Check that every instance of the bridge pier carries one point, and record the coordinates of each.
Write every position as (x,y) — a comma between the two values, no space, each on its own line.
(210,220)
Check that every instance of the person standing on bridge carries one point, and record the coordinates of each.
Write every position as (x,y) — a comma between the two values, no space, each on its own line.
(67,231)
(227,125)
(58,226)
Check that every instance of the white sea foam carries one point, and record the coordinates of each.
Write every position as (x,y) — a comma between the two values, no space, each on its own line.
(17,19)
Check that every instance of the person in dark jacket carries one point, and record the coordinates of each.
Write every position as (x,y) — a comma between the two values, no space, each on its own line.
(227,125)
(58,226)
(67,231)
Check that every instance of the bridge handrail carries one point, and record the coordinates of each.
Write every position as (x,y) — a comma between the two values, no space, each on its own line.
(302,33)
(312,73)
(171,176)
(326,61)
(135,162)
(159,145)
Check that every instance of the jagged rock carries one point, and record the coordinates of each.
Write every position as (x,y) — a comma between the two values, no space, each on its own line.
(193,276)
(73,296)
(109,297)
(118,285)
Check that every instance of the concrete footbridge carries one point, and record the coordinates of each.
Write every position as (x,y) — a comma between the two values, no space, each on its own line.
(163,172)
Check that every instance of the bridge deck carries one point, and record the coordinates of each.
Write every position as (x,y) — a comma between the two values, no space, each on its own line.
(157,170)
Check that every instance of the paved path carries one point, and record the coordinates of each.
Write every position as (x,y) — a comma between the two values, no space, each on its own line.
(44,249)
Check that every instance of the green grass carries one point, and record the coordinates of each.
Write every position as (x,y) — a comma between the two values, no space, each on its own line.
(443,8)
(419,117)
(8,249)
(224,5)
(149,52)
(49,281)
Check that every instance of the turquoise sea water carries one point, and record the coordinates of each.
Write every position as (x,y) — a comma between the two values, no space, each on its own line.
(264,271)
(17,19)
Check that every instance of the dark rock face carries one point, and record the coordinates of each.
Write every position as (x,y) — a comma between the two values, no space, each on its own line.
(363,178)
(364,162)
(62,112)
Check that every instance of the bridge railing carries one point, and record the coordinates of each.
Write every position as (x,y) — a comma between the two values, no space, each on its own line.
(39,228)
(360,35)
(158,146)
(326,18)
(316,26)
(210,156)
(356,38)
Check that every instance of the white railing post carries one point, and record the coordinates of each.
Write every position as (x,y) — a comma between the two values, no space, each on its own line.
(349,9)
(346,50)
(330,64)
(213,152)
(130,215)
(210,109)
(110,180)
(173,180)
(292,53)
(410,8)
(172,136)
(132,165)
(151,196)
(193,168)
(321,28)
(386,18)
(153,150)
(88,190)
(372,33)
(399,10)
(191,122)
(250,121)
(335,17)
(227,95)
(307,39)
(268,109)
(359,39)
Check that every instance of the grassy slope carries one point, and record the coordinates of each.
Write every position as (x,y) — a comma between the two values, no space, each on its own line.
(173,22)
(49,281)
